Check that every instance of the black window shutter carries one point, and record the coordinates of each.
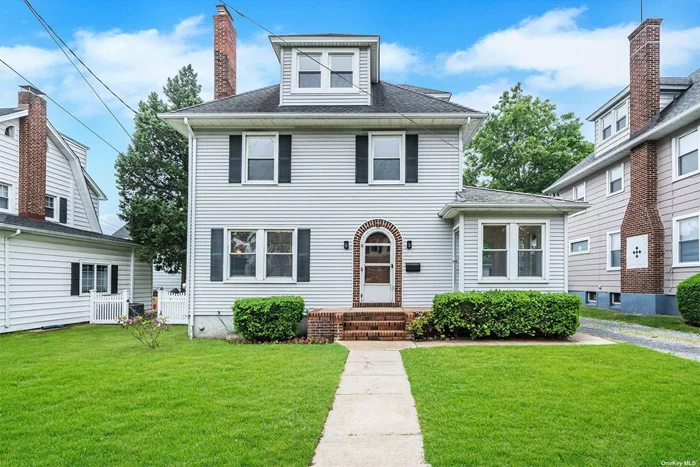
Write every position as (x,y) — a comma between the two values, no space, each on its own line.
(63,210)
(285,162)
(235,158)
(411,158)
(115,280)
(303,255)
(361,159)
(75,278)
(216,264)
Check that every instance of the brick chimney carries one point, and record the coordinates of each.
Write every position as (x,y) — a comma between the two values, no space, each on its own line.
(31,192)
(224,54)
(642,214)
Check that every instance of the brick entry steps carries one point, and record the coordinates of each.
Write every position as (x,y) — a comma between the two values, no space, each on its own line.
(362,324)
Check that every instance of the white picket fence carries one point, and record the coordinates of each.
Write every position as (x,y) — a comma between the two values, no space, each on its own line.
(106,309)
(172,306)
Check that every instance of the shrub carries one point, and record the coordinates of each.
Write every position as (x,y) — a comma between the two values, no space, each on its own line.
(147,328)
(422,326)
(688,299)
(500,314)
(268,319)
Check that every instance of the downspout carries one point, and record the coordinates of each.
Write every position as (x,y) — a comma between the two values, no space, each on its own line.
(7,276)
(189,274)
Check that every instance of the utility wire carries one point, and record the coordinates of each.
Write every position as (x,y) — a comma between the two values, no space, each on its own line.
(61,107)
(52,33)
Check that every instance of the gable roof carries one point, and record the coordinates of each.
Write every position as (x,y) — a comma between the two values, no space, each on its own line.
(386,98)
(56,229)
(122,232)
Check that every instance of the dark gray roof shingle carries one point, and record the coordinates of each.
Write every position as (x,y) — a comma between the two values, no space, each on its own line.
(386,98)
(53,227)
(472,194)
(422,90)
(8,111)
(122,232)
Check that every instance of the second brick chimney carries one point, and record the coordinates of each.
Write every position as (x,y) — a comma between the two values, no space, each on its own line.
(642,214)
(31,190)
(224,54)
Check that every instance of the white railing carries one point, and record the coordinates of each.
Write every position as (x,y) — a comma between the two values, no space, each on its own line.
(107,309)
(172,306)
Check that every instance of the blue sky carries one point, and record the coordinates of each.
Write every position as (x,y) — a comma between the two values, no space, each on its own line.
(571,52)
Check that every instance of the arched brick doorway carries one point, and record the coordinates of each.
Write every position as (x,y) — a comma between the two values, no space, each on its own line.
(375,231)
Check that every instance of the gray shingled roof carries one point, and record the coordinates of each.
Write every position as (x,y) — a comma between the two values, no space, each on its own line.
(53,227)
(472,194)
(680,80)
(122,232)
(386,98)
(422,90)
(8,111)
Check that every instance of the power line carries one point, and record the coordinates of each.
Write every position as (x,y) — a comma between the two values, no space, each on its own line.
(62,108)
(51,34)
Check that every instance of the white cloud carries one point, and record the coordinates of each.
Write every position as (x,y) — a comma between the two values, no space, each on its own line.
(560,54)
(398,60)
(484,97)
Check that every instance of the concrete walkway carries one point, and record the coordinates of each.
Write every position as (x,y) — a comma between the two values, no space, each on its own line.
(373,421)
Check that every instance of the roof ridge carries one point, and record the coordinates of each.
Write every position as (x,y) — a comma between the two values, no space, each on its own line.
(225,98)
(431,97)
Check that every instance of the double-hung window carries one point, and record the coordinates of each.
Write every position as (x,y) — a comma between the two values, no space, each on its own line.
(614,121)
(262,255)
(94,277)
(615,178)
(50,207)
(606,123)
(512,251)
(614,251)
(685,154)
(326,70)
(309,70)
(579,192)
(4,197)
(261,152)
(387,155)
(341,70)
(621,117)
(686,240)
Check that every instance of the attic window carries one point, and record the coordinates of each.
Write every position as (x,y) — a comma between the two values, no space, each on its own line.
(341,71)
(10,131)
(309,71)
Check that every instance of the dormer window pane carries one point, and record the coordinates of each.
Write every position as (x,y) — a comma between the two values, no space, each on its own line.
(309,71)
(607,126)
(621,117)
(341,71)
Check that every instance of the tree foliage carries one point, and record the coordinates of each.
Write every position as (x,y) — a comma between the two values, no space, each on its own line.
(152,176)
(523,145)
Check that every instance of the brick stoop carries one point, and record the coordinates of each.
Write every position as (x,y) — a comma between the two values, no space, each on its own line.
(361,324)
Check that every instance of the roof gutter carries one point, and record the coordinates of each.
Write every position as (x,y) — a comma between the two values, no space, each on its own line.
(6,244)
(125,244)
(327,116)
(620,150)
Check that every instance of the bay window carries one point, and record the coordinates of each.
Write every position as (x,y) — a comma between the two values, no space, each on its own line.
(686,240)
(512,251)
(262,255)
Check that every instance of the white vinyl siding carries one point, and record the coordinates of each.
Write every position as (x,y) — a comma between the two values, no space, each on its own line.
(166,281)
(9,161)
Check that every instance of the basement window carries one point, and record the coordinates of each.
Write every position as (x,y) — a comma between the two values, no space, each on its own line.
(592,297)
(615,298)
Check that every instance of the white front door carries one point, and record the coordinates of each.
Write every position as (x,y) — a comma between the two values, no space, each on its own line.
(377,269)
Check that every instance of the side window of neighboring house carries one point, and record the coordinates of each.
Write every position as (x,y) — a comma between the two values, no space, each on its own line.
(614,121)
(614,250)
(4,197)
(94,276)
(686,240)
(579,247)
(607,126)
(579,192)
(50,207)
(685,154)
(621,117)
(615,178)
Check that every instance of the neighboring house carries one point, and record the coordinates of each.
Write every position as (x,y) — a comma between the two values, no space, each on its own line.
(640,237)
(347,190)
(161,279)
(53,251)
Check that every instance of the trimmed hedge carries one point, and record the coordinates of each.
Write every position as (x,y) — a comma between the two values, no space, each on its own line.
(270,318)
(501,314)
(688,299)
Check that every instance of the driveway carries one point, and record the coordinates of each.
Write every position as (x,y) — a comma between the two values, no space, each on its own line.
(681,344)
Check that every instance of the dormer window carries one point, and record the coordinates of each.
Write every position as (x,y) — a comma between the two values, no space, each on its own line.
(614,121)
(621,117)
(317,70)
(607,126)
(309,70)
(341,70)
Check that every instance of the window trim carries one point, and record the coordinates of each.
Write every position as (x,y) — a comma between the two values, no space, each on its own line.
(613,114)
(614,302)
(608,266)
(94,281)
(244,175)
(325,70)
(56,208)
(625,102)
(675,155)
(10,199)
(511,276)
(402,158)
(582,239)
(260,256)
(608,174)
(676,236)
(573,191)
(592,301)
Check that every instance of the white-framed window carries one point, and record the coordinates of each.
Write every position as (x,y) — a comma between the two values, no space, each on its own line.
(513,251)
(326,70)
(94,277)
(267,255)
(686,240)
(580,246)
(591,297)
(614,249)
(260,157)
(616,180)
(579,192)
(5,192)
(614,121)
(50,208)
(10,131)
(621,116)
(615,298)
(684,150)
(387,155)
(607,126)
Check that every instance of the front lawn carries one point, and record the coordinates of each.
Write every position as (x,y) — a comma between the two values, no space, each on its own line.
(673,323)
(93,395)
(574,405)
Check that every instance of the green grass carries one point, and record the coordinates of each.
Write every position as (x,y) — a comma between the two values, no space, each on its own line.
(674,323)
(93,395)
(565,405)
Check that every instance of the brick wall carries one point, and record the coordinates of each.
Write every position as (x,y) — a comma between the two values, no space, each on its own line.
(645,59)
(356,262)
(224,54)
(31,190)
(325,324)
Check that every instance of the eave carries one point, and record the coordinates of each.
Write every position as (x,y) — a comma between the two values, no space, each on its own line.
(82,238)
(20,113)
(451,210)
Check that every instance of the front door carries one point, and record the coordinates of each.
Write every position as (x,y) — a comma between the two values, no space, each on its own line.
(377,269)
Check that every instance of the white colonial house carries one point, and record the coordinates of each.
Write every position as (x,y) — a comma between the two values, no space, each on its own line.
(347,190)
(53,250)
